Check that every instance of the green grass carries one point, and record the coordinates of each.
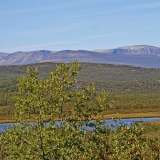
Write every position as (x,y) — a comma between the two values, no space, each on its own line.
(136,100)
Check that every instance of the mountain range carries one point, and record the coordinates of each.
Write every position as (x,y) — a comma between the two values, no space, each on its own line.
(138,55)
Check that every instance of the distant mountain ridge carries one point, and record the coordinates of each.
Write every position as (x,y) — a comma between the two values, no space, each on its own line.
(137,49)
(138,55)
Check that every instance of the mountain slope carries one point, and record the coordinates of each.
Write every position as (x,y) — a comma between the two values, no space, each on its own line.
(3,55)
(133,50)
(139,55)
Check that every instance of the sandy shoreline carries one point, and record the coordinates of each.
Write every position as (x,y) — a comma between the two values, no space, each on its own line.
(109,116)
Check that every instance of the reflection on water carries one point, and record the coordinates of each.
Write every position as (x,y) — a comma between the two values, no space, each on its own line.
(126,121)
(3,125)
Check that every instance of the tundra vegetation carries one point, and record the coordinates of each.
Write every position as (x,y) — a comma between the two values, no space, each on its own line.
(76,135)
(134,89)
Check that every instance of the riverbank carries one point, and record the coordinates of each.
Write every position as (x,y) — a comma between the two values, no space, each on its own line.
(132,115)
(109,116)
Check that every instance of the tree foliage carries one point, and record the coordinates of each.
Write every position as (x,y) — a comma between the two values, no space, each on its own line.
(45,101)
(62,122)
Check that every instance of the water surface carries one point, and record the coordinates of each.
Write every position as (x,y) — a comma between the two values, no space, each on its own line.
(126,121)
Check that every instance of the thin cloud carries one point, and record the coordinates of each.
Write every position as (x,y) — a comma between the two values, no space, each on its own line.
(33,9)
(23,10)
(125,8)
(147,14)
(66,5)
(150,5)
(46,31)
(140,6)
(87,15)
(42,45)
(52,6)
(107,35)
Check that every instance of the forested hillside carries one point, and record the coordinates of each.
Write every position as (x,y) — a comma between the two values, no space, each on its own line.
(129,87)
(113,78)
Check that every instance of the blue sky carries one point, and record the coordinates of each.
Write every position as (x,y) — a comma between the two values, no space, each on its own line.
(28,25)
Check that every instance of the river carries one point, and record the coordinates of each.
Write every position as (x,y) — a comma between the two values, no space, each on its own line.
(126,121)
